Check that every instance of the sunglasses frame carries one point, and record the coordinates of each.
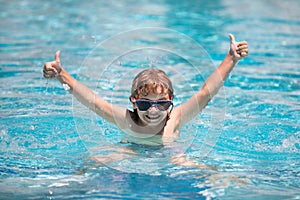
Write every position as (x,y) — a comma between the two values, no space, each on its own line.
(156,103)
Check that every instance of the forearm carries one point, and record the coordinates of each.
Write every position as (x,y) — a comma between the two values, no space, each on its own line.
(238,50)
(83,94)
(65,78)
(80,91)
(217,78)
(212,85)
(87,97)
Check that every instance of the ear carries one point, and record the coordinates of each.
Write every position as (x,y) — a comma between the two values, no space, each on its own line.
(132,99)
(172,97)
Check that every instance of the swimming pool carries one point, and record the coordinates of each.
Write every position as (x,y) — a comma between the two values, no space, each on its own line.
(44,146)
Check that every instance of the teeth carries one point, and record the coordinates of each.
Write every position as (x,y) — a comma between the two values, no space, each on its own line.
(152,117)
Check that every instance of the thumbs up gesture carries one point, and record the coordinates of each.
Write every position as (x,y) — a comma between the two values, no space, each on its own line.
(238,50)
(52,69)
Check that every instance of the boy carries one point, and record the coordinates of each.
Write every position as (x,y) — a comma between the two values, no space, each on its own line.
(154,120)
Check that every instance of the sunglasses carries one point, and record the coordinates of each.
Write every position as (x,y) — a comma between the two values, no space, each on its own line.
(144,105)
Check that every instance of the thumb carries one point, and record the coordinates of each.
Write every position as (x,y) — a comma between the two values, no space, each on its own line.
(232,39)
(57,58)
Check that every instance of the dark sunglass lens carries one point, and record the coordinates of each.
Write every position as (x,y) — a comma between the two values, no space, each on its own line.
(143,105)
(163,105)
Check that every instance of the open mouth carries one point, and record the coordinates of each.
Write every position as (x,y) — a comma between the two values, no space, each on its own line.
(152,117)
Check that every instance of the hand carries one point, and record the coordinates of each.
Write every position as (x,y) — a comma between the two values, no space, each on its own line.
(238,50)
(52,69)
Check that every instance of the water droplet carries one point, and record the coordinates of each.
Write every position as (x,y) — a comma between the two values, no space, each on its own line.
(47,85)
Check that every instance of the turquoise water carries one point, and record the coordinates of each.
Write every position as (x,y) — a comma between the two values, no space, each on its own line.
(46,138)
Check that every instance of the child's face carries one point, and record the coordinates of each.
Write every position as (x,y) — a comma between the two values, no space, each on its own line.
(153,116)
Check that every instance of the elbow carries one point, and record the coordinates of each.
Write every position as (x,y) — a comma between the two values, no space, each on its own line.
(205,96)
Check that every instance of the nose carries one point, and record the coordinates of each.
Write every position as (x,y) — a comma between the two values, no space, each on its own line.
(153,108)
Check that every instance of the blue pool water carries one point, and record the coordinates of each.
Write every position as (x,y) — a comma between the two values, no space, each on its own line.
(250,131)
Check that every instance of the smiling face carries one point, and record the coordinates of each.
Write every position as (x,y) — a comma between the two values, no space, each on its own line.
(152,116)
(152,85)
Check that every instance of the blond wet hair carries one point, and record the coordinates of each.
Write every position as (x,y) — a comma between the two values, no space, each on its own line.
(151,81)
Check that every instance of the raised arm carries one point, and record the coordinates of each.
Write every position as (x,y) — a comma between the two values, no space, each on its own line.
(87,97)
(193,106)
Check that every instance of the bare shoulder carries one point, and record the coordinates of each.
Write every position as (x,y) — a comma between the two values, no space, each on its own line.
(173,124)
(176,115)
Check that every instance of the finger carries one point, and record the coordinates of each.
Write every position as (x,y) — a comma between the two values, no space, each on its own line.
(232,39)
(48,76)
(48,73)
(48,66)
(57,56)
(242,43)
(242,47)
(242,50)
(243,54)
(55,71)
